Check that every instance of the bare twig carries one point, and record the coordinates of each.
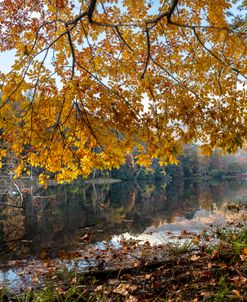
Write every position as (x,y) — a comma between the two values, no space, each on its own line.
(122,38)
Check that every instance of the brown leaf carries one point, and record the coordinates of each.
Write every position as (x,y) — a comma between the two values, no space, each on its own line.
(207,294)
(222,265)
(99,288)
(59,290)
(44,255)
(148,276)
(122,289)
(236,292)
(196,239)
(35,279)
(131,299)
(85,238)
(194,257)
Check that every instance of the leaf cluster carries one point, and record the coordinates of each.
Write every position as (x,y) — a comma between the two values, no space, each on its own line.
(74,98)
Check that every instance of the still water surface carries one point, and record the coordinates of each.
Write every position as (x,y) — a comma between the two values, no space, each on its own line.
(57,218)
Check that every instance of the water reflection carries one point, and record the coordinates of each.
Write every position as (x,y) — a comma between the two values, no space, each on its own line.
(56,219)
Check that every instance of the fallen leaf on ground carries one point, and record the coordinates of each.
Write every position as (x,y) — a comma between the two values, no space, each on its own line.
(194,258)
(196,239)
(35,279)
(59,290)
(122,289)
(131,299)
(236,292)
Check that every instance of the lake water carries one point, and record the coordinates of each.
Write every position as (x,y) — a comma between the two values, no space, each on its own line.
(60,217)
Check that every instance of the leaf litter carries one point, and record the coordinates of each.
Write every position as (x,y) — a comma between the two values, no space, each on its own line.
(207,266)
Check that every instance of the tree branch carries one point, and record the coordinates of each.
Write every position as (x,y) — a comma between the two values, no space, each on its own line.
(167,14)
(92,6)
(148,53)
(4,102)
(122,38)
(78,18)
(171,10)
(91,10)
(72,51)
(214,55)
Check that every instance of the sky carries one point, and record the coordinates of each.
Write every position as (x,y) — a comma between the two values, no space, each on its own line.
(7,58)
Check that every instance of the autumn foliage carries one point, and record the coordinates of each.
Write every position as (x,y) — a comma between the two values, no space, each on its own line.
(74,99)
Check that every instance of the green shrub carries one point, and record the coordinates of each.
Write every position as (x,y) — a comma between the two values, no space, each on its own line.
(215,173)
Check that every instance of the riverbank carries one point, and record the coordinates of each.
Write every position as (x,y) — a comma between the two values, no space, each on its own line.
(210,266)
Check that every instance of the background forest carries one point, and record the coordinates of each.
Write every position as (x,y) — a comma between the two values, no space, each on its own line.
(191,164)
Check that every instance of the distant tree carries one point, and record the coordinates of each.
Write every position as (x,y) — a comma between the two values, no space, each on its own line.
(189,160)
(175,171)
(234,168)
(203,165)
(215,173)
(217,161)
